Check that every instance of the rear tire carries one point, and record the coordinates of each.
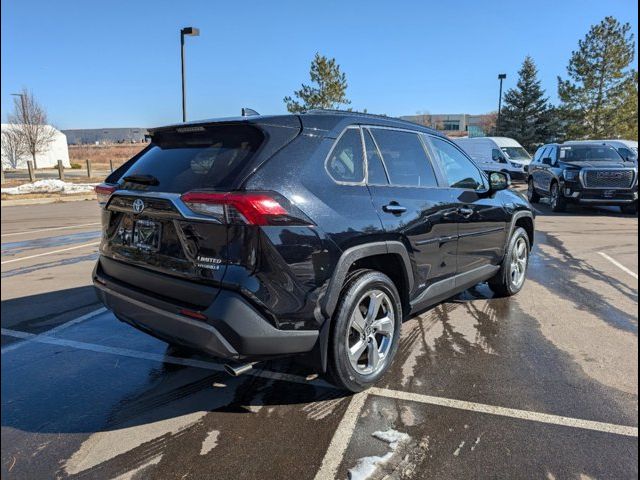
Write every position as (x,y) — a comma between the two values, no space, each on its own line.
(532,195)
(365,331)
(512,274)
(557,201)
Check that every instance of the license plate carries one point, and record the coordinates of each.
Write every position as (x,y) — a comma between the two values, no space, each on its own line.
(609,193)
(146,235)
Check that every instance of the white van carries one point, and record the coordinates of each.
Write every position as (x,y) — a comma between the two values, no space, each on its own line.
(506,152)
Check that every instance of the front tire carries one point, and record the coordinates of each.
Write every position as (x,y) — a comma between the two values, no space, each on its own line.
(512,274)
(557,201)
(532,195)
(365,331)
(630,209)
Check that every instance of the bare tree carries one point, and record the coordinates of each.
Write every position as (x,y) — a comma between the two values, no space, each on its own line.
(13,147)
(30,122)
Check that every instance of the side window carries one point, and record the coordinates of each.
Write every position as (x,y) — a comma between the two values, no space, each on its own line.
(405,158)
(375,168)
(345,163)
(498,156)
(552,153)
(537,158)
(458,169)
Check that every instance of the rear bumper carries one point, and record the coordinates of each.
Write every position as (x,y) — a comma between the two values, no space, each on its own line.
(233,328)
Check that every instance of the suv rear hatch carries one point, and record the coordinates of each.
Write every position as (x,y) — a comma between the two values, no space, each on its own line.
(174,209)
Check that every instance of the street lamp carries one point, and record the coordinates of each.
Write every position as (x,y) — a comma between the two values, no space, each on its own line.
(501,77)
(192,32)
(23,102)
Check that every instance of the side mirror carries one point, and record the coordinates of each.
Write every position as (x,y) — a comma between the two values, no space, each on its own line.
(499,181)
(547,161)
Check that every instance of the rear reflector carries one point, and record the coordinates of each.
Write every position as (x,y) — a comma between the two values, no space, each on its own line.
(104,191)
(250,208)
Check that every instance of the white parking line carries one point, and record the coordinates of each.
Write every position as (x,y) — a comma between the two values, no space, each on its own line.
(619,265)
(341,438)
(49,253)
(13,234)
(125,352)
(508,412)
(55,330)
(342,434)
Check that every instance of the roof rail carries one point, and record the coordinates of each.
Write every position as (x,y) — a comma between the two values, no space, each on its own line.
(365,114)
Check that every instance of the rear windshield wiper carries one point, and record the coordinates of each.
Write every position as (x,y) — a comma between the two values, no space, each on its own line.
(142,179)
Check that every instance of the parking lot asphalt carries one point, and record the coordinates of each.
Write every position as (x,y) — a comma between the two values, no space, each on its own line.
(542,385)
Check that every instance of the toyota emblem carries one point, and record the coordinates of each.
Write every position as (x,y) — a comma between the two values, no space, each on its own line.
(138,205)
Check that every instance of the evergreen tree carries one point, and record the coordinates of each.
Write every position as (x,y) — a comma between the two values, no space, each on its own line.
(599,99)
(526,115)
(329,92)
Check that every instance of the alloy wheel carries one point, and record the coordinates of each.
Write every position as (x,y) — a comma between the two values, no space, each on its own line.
(519,260)
(370,332)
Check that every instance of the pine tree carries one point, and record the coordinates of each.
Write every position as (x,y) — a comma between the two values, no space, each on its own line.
(598,97)
(329,92)
(526,115)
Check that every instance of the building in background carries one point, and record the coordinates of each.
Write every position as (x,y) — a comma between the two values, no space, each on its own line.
(93,136)
(455,124)
(56,150)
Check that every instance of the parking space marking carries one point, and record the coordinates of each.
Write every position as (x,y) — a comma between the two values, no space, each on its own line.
(619,265)
(157,357)
(623,430)
(348,420)
(13,234)
(50,253)
(55,330)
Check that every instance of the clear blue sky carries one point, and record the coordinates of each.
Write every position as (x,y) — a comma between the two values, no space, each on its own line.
(116,63)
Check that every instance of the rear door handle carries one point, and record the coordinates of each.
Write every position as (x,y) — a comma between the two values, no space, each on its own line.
(395,208)
(465,212)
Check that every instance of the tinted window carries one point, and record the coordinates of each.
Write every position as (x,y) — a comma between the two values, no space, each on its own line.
(538,155)
(375,168)
(458,169)
(586,153)
(405,158)
(209,158)
(498,156)
(345,161)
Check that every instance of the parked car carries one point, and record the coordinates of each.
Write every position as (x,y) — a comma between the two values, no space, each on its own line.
(498,154)
(313,234)
(583,173)
(628,149)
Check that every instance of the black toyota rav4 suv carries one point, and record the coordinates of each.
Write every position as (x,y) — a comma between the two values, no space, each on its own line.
(256,237)
(584,174)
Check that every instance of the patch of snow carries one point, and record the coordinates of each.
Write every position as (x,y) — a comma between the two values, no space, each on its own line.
(50,186)
(367,466)
(210,442)
(459,449)
(130,475)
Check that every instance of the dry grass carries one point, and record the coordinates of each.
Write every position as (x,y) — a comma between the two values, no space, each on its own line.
(101,154)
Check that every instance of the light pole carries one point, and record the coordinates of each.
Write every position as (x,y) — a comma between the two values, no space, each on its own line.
(192,32)
(23,102)
(501,77)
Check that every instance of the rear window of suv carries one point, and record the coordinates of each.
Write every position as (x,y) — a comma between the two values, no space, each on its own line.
(210,157)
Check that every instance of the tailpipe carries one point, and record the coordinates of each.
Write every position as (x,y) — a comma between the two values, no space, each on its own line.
(237,370)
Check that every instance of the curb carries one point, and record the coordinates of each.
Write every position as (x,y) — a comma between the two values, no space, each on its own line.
(44,200)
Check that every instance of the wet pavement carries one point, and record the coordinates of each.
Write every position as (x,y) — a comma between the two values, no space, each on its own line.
(542,385)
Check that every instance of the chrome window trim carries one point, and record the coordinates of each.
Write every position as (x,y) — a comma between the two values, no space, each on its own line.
(386,170)
(363,182)
(384,165)
(584,171)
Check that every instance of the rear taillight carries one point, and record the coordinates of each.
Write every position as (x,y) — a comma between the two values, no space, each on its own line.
(103,192)
(249,208)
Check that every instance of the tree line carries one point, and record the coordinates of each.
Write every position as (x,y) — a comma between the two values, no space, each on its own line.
(598,98)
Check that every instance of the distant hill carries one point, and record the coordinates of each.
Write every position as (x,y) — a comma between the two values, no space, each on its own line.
(83,136)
